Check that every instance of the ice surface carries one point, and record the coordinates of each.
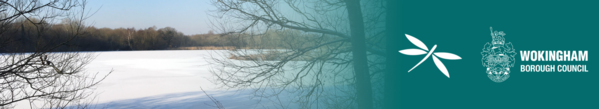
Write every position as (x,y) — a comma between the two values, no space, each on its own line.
(171,79)
(159,79)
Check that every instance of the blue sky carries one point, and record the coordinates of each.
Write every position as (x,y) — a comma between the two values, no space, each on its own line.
(187,16)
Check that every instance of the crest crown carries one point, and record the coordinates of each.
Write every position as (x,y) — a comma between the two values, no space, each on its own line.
(497,37)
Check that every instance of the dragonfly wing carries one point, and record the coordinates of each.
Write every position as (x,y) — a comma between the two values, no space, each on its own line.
(417,42)
(449,56)
(440,66)
(412,52)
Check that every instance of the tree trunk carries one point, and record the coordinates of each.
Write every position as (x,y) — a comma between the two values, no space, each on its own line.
(362,75)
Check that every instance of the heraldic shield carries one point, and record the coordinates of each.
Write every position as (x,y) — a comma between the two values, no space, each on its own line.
(498,57)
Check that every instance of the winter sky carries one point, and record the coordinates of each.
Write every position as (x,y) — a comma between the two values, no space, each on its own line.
(187,16)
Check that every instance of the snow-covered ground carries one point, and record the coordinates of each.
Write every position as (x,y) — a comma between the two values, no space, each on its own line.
(160,79)
(171,79)
(140,74)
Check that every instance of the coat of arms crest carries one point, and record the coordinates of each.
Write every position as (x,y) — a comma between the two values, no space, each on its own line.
(498,57)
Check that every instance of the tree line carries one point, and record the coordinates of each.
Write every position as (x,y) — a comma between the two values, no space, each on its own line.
(24,38)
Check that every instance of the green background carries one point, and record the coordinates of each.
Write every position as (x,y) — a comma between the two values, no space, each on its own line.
(462,28)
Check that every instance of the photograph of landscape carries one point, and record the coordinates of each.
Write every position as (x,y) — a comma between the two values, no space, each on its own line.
(192,54)
(298,54)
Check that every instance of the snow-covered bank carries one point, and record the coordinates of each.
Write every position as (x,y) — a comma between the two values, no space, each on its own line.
(172,79)
(150,73)
(139,74)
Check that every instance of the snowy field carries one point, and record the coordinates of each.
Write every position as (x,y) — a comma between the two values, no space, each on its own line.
(168,79)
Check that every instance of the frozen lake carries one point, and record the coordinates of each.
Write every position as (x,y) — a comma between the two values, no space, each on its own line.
(161,79)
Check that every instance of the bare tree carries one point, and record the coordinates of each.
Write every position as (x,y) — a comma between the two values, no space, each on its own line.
(43,77)
(321,53)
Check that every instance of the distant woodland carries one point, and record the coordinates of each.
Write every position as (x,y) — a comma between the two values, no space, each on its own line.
(22,36)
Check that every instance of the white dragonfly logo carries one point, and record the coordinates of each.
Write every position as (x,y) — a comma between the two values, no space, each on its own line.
(419,44)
